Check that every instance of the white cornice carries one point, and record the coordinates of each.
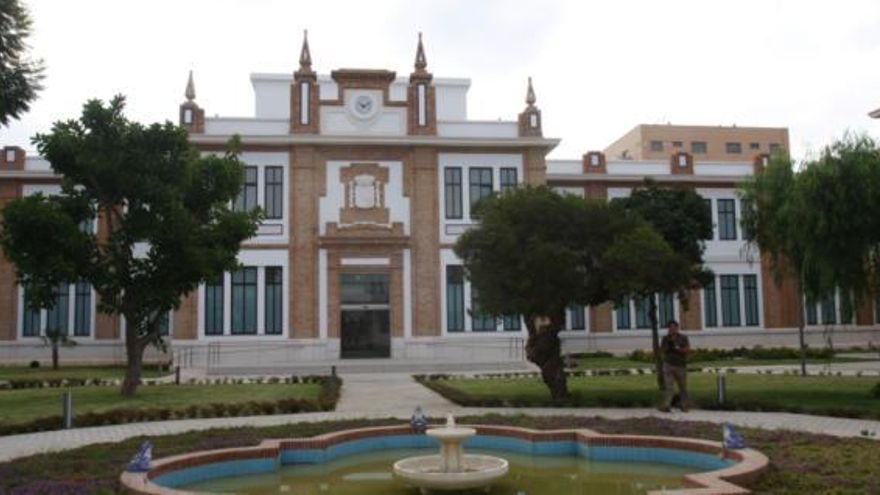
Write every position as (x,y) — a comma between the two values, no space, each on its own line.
(313,139)
(714,179)
(28,174)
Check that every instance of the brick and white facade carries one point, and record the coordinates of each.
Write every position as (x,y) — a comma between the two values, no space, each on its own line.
(367,180)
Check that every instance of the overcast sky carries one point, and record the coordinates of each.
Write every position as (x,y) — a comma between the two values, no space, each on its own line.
(813,66)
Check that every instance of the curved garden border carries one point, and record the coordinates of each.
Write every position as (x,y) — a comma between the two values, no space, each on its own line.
(747,464)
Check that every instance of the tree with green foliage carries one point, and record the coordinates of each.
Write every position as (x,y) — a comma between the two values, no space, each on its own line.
(535,253)
(20,76)
(683,221)
(820,225)
(165,212)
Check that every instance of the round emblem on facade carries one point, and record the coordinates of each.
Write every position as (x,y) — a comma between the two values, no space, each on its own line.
(364,106)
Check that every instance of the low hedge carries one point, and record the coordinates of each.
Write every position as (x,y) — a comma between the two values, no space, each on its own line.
(21,383)
(757,352)
(327,399)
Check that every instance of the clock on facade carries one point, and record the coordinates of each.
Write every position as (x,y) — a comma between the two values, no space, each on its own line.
(364,106)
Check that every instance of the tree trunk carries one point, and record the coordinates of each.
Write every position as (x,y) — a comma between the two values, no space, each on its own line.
(134,351)
(55,355)
(655,340)
(543,349)
(801,325)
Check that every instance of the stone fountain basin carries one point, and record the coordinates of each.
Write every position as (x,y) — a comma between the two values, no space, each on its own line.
(427,471)
(453,433)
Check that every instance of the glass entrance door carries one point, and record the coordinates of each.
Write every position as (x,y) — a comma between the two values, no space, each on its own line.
(365,322)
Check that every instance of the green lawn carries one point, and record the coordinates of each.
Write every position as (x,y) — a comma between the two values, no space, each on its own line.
(799,462)
(26,405)
(841,396)
(598,363)
(68,372)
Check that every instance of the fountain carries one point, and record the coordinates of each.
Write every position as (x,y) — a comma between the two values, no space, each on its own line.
(452,469)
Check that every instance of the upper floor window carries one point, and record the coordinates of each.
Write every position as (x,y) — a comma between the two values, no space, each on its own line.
(247,198)
(508,179)
(480,184)
(656,145)
(274,191)
(727,219)
(699,147)
(452,185)
(733,148)
(677,144)
(775,148)
(754,146)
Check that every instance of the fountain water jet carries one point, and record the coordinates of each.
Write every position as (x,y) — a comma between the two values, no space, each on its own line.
(452,469)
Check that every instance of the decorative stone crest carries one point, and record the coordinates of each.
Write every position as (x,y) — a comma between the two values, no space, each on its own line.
(364,195)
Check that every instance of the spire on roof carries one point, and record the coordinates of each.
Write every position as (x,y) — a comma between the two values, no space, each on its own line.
(305,56)
(421,60)
(530,94)
(190,92)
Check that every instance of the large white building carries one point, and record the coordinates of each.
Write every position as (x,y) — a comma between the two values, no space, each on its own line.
(367,179)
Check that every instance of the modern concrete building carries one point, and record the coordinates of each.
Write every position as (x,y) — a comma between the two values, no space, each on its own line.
(705,143)
(367,179)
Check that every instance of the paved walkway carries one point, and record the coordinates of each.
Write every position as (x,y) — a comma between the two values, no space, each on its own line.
(379,395)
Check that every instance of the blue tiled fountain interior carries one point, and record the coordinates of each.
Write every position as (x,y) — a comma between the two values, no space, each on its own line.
(699,461)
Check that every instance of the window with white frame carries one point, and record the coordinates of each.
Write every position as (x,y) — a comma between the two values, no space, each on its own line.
(464,317)
(255,299)
(247,197)
(71,314)
(454,298)
(733,297)
(726,219)
(576,317)
(832,309)
(274,192)
(480,181)
(453,190)
(508,179)
(634,313)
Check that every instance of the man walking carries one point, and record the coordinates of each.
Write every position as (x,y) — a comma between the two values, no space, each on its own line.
(674,348)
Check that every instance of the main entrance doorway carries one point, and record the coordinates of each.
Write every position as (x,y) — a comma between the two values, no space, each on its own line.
(365,324)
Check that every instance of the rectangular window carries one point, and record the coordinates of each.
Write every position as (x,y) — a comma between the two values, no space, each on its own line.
(30,318)
(480,321)
(511,323)
(165,324)
(811,313)
(82,310)
(829,312)
(643,319)
(666,308)
(710,304)
(452,185)
(247,198)
(727,219)
(480,184)
(214,306)
(274,182)
(733,148)
(244,301)
(454,298)
(754,146)
(656,145)
(708,203)
(846,309)
(508,179)
(774,148)
(56,316)
(304,103)
(750,291)
(577,317)
(677,144)
(730,300)
(623,315)
(699,147)
(273,302)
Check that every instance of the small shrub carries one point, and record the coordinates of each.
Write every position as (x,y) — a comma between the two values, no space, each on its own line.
(875,392)
(34,364)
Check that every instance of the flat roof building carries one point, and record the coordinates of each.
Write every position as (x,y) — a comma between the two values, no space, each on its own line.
(709,143)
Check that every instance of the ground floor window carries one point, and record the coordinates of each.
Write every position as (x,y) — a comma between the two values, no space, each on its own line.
(480,320)
(255,299)
(829,310)
(734,298)
(577,317)
(71,313)
(454,298)
(640,307)
(463,312)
